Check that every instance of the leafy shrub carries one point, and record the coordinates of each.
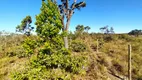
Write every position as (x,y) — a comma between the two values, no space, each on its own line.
(10,45)
(16,51)
(10,54)
(29,45)
(53,66)
(100,44)
(110,37)
(126,37)
(135,32)
(51,61)
(41,74)
(59,60)
(78,46)
(123,36)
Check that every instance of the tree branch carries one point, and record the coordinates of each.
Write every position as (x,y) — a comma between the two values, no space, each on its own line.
(67,4)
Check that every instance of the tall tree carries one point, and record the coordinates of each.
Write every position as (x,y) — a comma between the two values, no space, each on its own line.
(112,30)
(66,11)
(87,28)
(80,28)
(104,29)
(49,24)
(25,26)
(135,32)
(107,30)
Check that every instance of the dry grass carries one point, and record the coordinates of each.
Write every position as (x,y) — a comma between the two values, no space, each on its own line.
(112,57)
(10,64)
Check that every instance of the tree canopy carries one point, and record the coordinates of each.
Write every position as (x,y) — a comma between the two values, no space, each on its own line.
(25,26)
(135,32)
(106,30)
(87,28)
(67,9)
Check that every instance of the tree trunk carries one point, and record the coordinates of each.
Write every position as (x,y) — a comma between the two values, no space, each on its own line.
(66,42)
(66,29)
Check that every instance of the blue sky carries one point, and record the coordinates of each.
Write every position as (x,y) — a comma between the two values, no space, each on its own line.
(123,15)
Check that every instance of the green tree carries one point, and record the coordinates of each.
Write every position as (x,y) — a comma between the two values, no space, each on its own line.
(106,30)
(79,31)
(112,30)
(52,61)
(79,28)
(25,26)
(66,12)
(135,32)
(87,28)
(49,25)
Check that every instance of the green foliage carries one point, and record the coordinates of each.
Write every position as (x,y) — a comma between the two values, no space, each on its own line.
(123,36)
(87,28)
(48,27)
(25,26)
(126,37)
(110,37)
(78,46)
(135,32)
(48,66)
(80,28)
(51,61)
(106,30)
(17,51)
(10,45)
(41,74)
(64,34)
(48,21)
(60,60)
(29,46)
(67,9)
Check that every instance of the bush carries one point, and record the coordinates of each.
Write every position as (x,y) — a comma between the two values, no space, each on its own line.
(16,51)
(78,46)
(111,37)
(10,45)
(126,37)
(29,45)
(57,66)
(41,74)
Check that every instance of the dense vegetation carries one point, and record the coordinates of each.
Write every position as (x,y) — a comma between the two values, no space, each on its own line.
(81,61)
(46,56)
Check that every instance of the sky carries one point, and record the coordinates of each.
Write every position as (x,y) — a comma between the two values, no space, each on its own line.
(122,15)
